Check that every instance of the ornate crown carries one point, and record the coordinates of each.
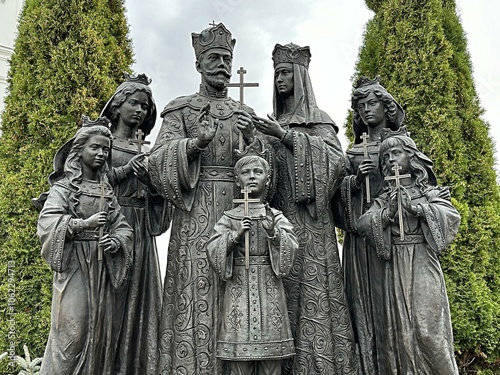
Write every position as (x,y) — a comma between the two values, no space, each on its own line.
(257,148)
(214,37)
(138,78)
(365,81)
(100,121)
(388,133)
(291,53)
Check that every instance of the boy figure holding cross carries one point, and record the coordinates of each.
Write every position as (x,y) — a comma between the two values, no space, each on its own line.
(255,332)
(417,324)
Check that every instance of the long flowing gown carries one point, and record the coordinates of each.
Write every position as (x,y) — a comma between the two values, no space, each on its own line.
(308,175)
(148,215)
(417,327)
(84,319)
(363,270)
(310,168)
(201,190)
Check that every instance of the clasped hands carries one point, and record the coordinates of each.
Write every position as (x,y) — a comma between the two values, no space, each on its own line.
(108,243)
(246,223)
(138,164)
(405,202)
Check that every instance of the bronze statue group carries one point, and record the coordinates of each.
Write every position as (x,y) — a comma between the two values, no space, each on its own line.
(254,282)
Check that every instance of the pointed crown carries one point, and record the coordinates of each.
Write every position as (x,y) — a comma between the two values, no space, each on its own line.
(291,53)
(213,37)
(100,121)
(365,81)
(138,78)
(257,148)
(388,133)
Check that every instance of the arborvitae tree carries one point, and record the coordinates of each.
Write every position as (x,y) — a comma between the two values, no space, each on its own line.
(420,50)
(68,58)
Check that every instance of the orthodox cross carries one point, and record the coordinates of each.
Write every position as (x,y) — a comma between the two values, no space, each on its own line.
(103,196)
(139,139)
(246,200)
(213,24)
(364,137)
(242,84)
(397,177)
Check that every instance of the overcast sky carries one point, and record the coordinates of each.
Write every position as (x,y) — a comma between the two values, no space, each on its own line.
(161,34)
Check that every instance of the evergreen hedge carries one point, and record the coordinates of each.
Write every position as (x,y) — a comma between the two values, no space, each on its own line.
(420,50)
(68,59)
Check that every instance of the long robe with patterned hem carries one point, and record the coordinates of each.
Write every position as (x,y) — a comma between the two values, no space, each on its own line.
(255,324)
(201,189)
(310,168)
(84,319)
(309,173)
(149,216)
(417,327)
(363,270)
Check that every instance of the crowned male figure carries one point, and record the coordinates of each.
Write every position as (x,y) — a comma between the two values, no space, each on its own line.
(192,165)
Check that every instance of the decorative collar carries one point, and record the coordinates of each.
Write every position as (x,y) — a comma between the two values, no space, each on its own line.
(205,91)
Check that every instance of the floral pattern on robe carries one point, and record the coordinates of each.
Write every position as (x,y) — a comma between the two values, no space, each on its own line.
(201,189)
(255,323)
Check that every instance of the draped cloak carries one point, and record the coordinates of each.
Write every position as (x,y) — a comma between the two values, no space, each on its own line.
(84,319)
(310,168)
(363,270)
(200,189)
(417,321)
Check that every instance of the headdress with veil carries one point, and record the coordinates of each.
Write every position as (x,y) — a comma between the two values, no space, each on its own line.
(306,111)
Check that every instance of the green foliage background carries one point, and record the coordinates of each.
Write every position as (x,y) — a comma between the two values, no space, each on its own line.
(69,57)
(420,50)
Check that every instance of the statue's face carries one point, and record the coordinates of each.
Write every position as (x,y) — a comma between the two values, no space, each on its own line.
(371,110)
(134,109)
(254,177)
(95,152)
(397,155)
(283,79)
(215,67)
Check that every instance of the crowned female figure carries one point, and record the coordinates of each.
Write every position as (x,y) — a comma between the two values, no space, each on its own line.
(374,110)
(132,112)
(310,168)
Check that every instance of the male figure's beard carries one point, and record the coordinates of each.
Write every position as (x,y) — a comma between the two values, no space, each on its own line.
(218,78)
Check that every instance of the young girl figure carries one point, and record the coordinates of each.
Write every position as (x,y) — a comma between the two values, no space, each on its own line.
(88,244)
(417,324)
(255,334)
(132,112)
